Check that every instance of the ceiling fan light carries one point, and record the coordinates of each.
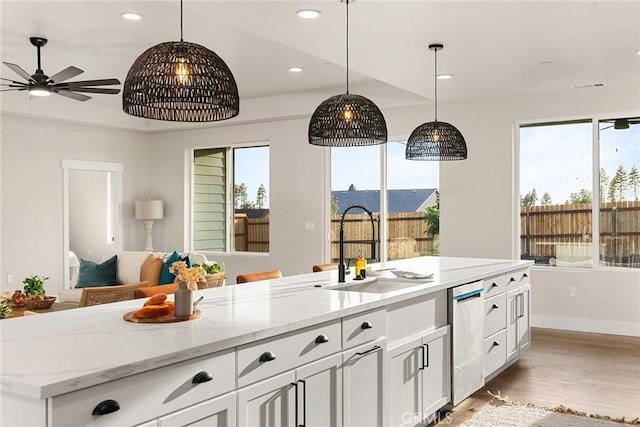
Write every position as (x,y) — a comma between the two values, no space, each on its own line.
(39,91)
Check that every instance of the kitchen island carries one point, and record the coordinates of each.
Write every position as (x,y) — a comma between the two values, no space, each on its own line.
(296,350)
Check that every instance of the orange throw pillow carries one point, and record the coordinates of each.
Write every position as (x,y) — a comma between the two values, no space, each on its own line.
(151,269)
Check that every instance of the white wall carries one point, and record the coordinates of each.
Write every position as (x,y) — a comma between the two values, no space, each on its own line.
(32,220)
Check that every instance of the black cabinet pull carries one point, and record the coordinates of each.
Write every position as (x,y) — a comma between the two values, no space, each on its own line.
(525,275)
(304,403)
(366,325)
(512,279)
(426,365)
(322,338)
(267,356)
(201,377)
(496,343)
(377,347)
(494,285)
(296,402)
(495,306)
(422,351)
(106,407)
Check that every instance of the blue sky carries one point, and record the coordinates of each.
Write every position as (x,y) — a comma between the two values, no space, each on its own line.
(558,159)
(252,169)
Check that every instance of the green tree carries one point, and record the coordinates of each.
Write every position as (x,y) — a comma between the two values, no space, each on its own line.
(546,200)
(335,208)
(618,184)
(432,216)
(351,188)
(529,199)
(240,197)
(582,196)
(604,184)
(261,197)
(633,180)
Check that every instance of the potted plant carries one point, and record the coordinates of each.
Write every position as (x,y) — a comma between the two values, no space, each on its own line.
(5,309)
(214,275)
(36,295)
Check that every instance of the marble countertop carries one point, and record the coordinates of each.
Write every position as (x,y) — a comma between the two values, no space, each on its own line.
(55,353)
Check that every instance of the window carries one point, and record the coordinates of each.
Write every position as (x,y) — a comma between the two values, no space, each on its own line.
(230,199)
(563,167)
(401,194)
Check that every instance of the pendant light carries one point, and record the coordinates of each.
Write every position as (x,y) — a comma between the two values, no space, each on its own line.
(180,81)
(436,140)
(347,120)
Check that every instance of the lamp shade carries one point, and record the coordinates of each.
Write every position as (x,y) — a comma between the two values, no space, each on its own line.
(436,141)
(347,120)
(149,209)
(180,81)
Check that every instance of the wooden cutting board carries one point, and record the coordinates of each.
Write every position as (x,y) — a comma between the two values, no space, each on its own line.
(169,318)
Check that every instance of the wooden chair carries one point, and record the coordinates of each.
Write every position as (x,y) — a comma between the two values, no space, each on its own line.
(325,267)
(107,294)
(263,275)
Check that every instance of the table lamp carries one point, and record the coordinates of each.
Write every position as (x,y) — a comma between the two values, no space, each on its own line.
(149,210)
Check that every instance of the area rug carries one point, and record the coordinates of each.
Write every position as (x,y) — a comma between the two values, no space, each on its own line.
(503,413)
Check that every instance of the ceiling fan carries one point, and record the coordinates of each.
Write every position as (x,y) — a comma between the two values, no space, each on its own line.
(39,84)
(619,124)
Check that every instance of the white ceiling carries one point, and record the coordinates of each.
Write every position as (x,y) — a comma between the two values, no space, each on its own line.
(493,49)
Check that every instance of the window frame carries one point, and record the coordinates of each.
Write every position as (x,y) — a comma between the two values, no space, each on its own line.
(229,196)
(595,120)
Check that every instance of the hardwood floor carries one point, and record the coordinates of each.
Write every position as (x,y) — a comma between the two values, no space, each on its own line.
(593,373)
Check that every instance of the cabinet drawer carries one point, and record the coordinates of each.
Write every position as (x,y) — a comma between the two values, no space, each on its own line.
(494,285)
(495,352)
(272,356)
(495,314)
(363,327)
(518,278)
(148,395)
(415,316)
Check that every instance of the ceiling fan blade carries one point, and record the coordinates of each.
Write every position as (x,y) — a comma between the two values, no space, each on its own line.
(103,82)
(18,70)
(14,82)
(20,86)
(7,90)
(65,74)
(93,90)
(73,95)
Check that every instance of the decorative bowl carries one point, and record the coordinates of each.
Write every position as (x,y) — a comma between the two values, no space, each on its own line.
(35,303)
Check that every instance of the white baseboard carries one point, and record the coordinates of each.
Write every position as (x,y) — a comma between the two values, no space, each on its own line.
(586,325)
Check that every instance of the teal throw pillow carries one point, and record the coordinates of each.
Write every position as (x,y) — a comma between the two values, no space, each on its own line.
(165,276)
(92,275)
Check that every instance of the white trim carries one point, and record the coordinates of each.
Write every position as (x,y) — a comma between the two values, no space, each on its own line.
(383,214)
(595,193)
(117,170)
(586,325)
(515,191)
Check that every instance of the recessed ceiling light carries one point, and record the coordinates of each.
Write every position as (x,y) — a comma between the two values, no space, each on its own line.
(308,13)
(445,76)
(295,69)
(131,16)
(638,51)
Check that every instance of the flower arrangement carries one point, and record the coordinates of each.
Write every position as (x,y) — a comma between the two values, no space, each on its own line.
(185,274)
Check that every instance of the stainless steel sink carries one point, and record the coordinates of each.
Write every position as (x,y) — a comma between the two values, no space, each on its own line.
(377,285)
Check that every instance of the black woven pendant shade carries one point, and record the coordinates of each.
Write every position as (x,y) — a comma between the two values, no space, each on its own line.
(436,140)
(347,120)
(180,81)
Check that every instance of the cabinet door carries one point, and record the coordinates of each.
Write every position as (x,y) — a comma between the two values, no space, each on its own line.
(513,349)
(218,412)
(404,366)
(524,318)
(268,403)
(436,381)
(320,393)
(363,376)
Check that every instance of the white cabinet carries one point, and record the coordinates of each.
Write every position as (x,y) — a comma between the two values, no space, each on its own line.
(518,321)
(363,375)
(310,396)
(219,412)
(419,378)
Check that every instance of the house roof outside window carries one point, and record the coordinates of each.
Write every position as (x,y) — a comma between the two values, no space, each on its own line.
(410,200)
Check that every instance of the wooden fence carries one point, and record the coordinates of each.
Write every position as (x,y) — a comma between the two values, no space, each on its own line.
(251,234)
(565,231)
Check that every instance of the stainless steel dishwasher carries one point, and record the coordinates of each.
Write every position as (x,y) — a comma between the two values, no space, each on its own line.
(466,315)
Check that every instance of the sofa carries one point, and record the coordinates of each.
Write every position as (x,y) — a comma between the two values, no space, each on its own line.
(131,267)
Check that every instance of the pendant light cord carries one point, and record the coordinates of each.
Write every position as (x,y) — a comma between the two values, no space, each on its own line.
(347,1)
(435,79)
(181,20)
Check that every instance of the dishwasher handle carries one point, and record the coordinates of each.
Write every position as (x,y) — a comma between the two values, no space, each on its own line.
(468,295)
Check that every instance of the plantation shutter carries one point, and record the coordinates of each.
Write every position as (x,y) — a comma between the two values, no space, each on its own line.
(209,200)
